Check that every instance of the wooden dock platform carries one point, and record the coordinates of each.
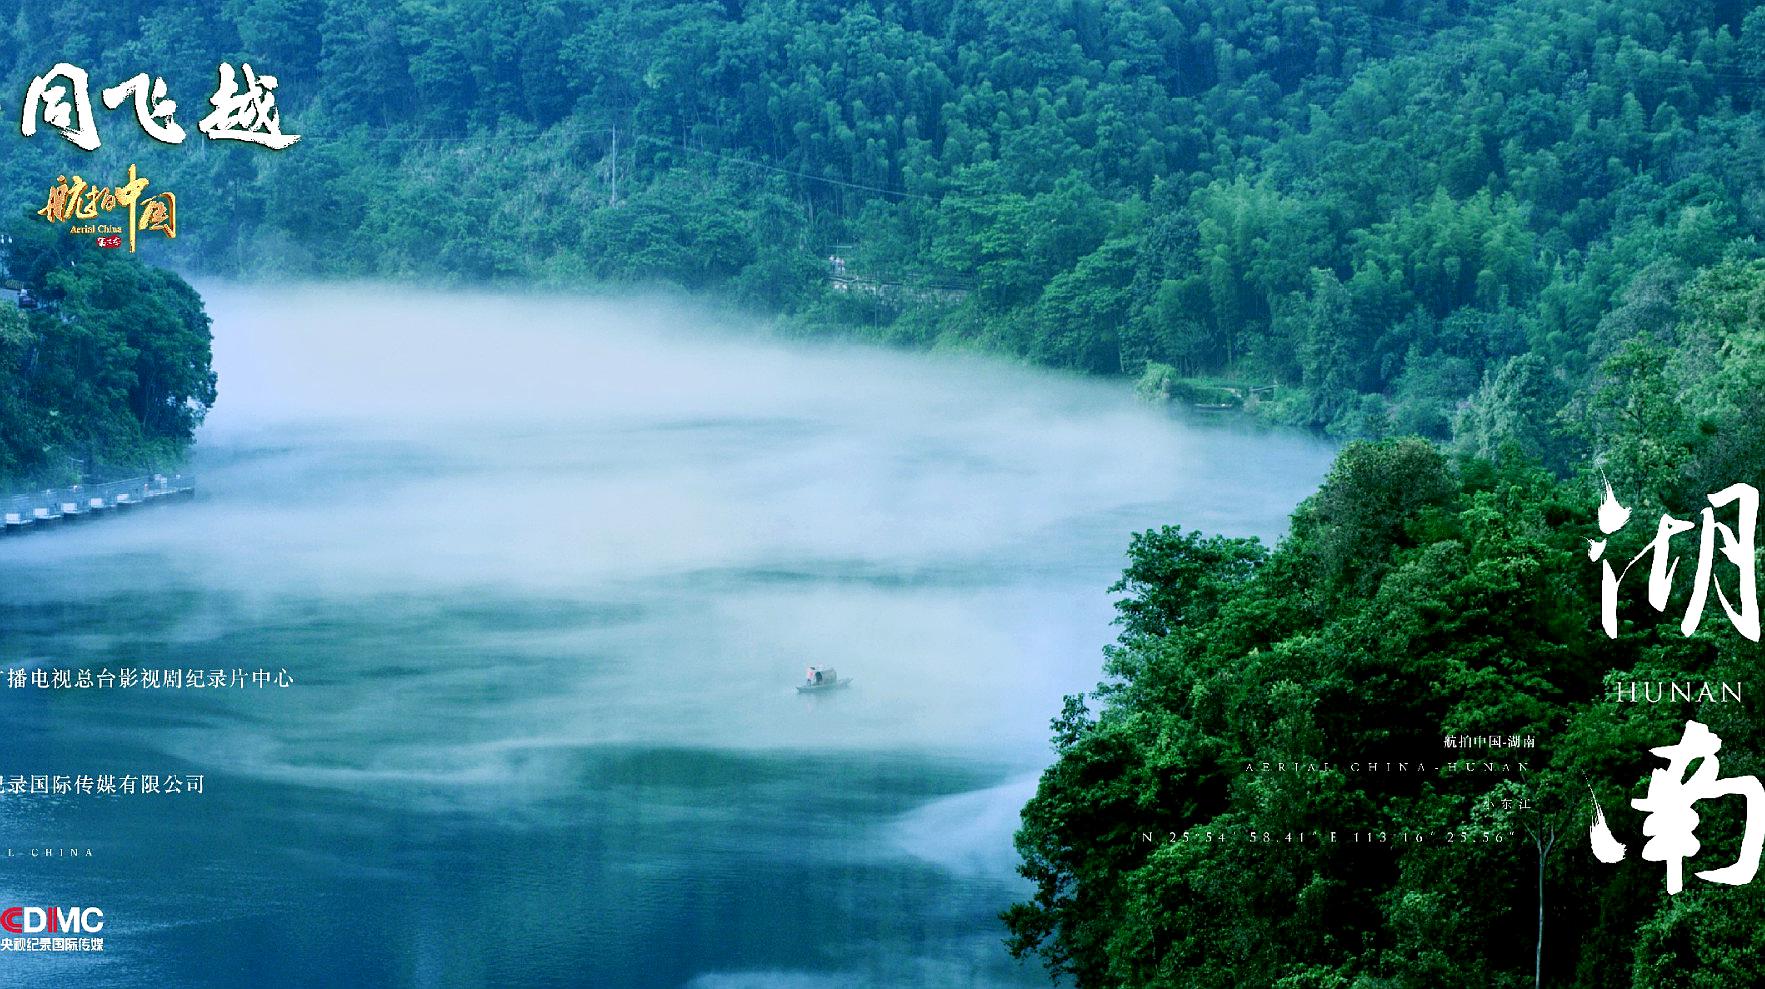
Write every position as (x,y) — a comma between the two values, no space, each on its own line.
(52,507)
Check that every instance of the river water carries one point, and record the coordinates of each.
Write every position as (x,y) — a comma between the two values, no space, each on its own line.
(544,572)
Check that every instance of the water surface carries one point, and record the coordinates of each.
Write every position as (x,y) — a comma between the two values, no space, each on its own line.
(544,571)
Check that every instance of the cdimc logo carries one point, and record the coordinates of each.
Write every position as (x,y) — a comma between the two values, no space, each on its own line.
(52,920)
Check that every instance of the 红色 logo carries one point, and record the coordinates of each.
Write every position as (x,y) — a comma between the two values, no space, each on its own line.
(52,920)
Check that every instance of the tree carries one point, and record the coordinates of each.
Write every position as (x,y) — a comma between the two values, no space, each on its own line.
(1517,409)
(1178,579)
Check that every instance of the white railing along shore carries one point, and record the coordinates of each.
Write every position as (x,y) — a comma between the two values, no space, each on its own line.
(51,506)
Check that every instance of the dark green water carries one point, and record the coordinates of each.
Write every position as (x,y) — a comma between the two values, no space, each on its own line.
(545,572)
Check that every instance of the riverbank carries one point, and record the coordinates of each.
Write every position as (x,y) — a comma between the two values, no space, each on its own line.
(1267,401)
(52,507)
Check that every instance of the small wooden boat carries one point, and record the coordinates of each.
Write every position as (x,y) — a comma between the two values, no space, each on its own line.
(820,678)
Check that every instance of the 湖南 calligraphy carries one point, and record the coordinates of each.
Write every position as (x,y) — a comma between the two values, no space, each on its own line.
(1736,547)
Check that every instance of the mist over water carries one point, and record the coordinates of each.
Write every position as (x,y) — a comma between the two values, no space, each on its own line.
(546,570)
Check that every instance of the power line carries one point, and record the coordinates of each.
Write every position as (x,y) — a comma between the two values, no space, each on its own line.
(787,171)
(677,145)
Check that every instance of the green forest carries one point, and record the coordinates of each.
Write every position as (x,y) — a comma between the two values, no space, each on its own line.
(1379,209)
(104,362)
(1508,251)
(1225,809)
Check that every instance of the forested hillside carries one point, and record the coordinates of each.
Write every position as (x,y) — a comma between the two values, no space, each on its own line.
(1378,208)
(1228,808)
(1526,231)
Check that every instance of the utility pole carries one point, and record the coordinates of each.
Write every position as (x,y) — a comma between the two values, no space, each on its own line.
(613,200)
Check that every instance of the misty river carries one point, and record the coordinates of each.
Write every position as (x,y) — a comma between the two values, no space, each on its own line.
(545,572)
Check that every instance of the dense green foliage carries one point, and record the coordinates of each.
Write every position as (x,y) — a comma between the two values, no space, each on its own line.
(105,369)
(1418,596)
(1528,229)
(1380,208)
